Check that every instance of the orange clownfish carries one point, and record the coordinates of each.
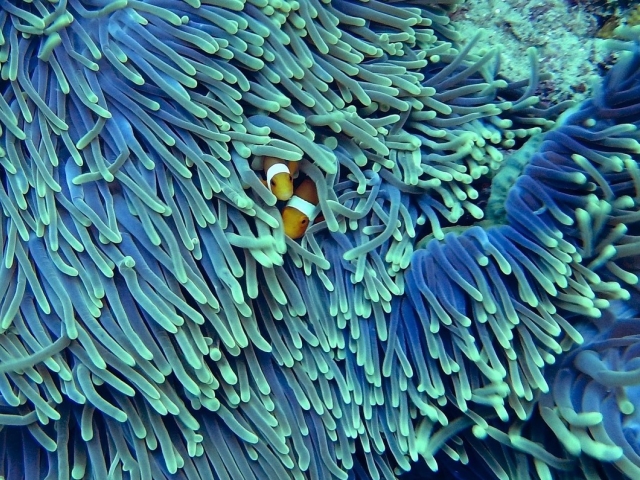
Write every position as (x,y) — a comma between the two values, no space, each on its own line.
(279,177)
(301,210)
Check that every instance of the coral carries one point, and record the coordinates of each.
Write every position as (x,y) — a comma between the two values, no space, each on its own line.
(608,28)
(564,37)
(156,321)
(614,15)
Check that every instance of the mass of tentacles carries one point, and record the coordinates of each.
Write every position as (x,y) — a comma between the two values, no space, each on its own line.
(309,239)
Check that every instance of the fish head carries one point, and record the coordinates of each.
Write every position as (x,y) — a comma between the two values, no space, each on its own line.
(295,222)
(282,186)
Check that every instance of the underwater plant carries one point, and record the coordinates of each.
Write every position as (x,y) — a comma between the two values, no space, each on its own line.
(156,321)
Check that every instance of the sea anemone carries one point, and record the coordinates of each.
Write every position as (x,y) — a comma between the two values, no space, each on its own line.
(156,322)
(566,253)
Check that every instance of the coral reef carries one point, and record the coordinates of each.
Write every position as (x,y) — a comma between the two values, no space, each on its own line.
(157,322)
(562,32)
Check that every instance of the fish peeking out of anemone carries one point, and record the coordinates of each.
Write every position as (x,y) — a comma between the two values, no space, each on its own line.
(301,210)
(279,175)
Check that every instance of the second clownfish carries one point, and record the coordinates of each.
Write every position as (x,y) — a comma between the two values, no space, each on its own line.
(301,210)
(279,177)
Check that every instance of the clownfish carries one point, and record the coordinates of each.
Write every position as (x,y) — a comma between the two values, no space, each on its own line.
(279,177)
(301,210)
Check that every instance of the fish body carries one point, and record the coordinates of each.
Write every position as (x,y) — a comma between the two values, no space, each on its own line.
(301,210)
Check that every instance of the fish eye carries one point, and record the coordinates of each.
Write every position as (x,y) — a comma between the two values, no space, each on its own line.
(273,183)
(304,221)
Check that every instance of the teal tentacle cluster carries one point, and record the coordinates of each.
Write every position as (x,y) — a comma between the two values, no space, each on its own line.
(155,320)
(564,260)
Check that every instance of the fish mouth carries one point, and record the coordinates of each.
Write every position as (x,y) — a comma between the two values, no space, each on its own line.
(283,196)
(293,232)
